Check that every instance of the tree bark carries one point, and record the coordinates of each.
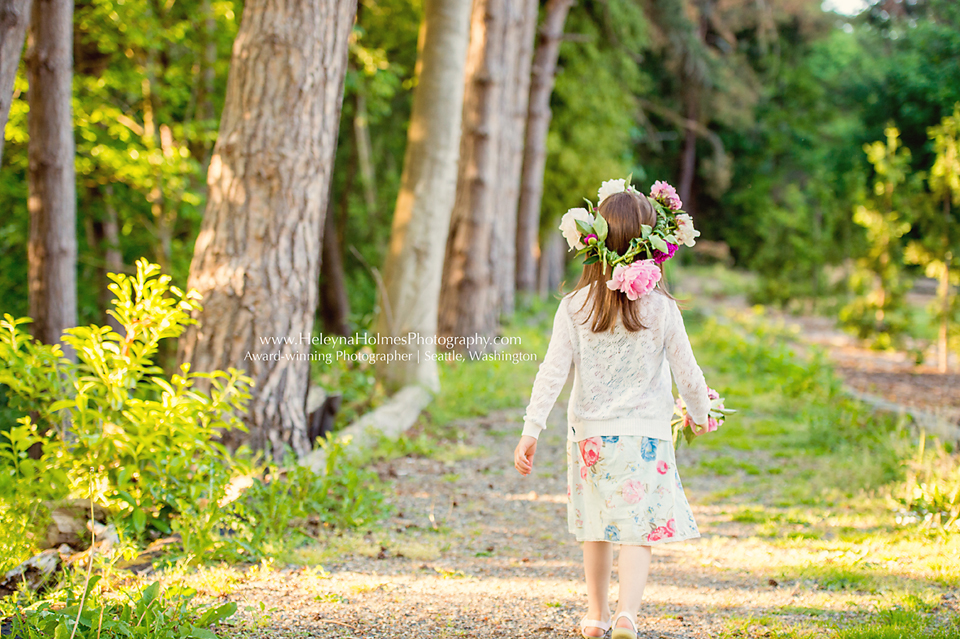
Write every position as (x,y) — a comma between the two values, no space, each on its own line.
(112,255)
(334,304)
(14,18)
(361,131)
(943,346)
(414,262)
(520,29)
(257,257)
(468,294)
(551,265)
(51,185)
(688,161)
(691,97)
(542,77)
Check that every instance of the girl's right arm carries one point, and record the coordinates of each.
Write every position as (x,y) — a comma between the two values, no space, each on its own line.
(552,375)
(683,365)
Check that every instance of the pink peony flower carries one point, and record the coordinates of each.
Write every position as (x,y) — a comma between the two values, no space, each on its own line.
(633,491)
(671,527)
(635,280)
(583,472)
(662,467)
(590,451)
(660,257)
(712,394)
(586,238)
(666,195)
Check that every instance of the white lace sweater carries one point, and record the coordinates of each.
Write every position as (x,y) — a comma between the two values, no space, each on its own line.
(621,383)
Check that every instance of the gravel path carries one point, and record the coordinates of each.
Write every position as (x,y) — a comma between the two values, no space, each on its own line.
(475,550)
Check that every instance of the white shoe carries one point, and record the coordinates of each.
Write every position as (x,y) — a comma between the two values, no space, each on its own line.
(593,623)
(624,633)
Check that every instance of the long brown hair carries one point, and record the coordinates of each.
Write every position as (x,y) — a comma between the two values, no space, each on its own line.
(624,213)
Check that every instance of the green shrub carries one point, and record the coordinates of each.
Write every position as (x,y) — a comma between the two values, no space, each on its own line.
(111,426)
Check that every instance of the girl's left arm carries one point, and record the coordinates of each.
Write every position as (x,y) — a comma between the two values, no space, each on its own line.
(552,375)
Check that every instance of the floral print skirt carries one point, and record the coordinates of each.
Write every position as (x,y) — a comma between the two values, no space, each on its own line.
(626,489)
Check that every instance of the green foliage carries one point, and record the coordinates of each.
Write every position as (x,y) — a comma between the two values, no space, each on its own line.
(87,612)
(114,428)
(931,491)
(592,128)
(148,89)
(341,367)
(879,311)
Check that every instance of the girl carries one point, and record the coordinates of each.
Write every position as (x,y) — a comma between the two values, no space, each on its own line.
(624,336)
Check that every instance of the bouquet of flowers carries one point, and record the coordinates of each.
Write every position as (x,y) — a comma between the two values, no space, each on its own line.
(684,423)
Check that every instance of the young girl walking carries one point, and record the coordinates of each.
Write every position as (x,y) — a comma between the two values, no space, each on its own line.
(624,335)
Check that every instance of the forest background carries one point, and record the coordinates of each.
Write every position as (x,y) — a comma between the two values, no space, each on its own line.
(780,98)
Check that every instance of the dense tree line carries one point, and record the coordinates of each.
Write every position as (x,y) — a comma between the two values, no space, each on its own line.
(355,170)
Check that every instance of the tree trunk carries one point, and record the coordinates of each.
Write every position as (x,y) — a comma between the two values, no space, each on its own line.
(257,257)
(112,256)
(414,261)
(535,147)
(14,17)
(468,294)
(688,161)
(943,350)
(520,28)
(334,304)
(51,185)
(691,97)
(551,265)
(361,131)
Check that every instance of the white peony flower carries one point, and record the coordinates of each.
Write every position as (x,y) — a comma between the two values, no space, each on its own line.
(685,231)
(568,226)
(610,187)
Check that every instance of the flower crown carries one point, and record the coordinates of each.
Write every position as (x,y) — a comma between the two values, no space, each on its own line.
(635,273)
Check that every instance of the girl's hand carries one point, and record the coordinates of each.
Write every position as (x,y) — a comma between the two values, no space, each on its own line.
(523,455)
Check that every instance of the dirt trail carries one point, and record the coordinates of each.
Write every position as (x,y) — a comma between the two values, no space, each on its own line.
(476,550)
(887,379)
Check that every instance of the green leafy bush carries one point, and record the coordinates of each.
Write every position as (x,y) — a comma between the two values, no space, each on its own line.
(110,425)
(112,428)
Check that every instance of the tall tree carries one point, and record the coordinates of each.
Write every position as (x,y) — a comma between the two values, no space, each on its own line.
(519,31)
(535,146)
(257,257)
(14,17)
(468,295)
(478,276)
(428,187)
(52,249)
